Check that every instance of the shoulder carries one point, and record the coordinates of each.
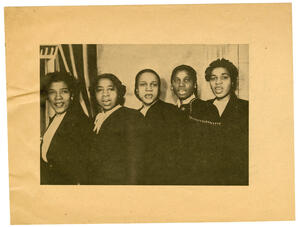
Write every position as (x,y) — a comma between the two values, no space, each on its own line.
(129,112)
(199,102)
(204,110)
(210,101)
(76,115)
(169,112)
(243,102)
(242,105)
(130,119)
(166,106)
(201,105)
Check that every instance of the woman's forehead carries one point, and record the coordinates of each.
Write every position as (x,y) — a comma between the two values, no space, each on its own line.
(58,85)
(148,76)
(219,71)
(105,82)
(182,74)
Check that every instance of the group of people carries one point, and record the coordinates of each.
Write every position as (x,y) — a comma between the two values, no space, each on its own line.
(194,142)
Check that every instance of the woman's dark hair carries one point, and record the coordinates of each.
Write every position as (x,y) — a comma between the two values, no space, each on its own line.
(188,69)
(229,66)
(68,79)
(121,89)
(138,77)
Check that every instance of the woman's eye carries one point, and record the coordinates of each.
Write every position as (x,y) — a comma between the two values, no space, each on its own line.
(98,89)
(142,84)
(212,78)
(66,91)
(225,77)
(111,89)
(51,92)
(154,84)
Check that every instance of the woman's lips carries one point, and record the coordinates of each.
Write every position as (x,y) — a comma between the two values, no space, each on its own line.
(59,104)
(148,96)
(218,89)
(106,102)
(181,92)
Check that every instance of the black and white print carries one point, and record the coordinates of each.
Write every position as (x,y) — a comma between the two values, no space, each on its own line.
(144,114)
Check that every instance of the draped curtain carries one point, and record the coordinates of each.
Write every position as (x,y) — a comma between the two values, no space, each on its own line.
(77,59)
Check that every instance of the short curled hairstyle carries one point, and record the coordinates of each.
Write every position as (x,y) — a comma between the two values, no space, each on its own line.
(138,77)
(229,66)
(188,69)
(67,78)
(121,89)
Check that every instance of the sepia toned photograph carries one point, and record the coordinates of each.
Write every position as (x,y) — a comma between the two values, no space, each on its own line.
(150,113)
(144,114)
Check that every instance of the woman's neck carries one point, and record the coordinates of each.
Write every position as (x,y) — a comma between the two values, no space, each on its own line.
(112,109)
(221,104)
(224,99)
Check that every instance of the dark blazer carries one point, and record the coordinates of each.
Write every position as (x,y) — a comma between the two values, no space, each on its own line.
(200,110)
(164,144)
(218,145)
(232,140)
(200,151)
(116,153)
(68,150)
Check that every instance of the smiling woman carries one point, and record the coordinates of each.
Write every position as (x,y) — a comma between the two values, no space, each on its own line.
(59,96)
(64,141)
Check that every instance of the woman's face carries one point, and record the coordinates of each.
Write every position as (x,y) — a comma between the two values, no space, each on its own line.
(183,85)
(106,94)
(220,82)
(147,88)
(59,96)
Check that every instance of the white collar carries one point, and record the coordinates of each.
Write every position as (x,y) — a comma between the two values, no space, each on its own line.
(49,134)
(101,117)
(145,108)
(185,101)
(109,112)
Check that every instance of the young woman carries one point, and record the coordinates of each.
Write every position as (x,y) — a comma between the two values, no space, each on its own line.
(118,145)
(164,132)
(201,151)
(64,143)
(232,115)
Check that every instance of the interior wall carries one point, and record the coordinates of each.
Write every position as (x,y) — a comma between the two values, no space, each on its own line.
(125,61)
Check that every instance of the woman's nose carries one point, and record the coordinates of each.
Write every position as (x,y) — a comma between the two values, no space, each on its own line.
(58,96)
(148,88)
(106,93)
(181,84)
(218,81)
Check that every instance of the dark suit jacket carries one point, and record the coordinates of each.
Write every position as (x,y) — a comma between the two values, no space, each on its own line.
(116,154)
(218,145)
(232,142)
(199,153)
(200,109)
(67,154)
(164,142)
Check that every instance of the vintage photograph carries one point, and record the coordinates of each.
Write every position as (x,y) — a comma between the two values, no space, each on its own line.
(150,113)
(144,114)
